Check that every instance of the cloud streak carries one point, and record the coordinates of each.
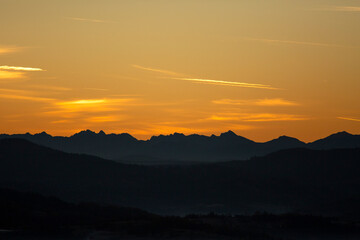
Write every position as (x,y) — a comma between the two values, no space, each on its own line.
(88,20)
(91,111)
(22,95)
(97,89)
(341,9)
(227,83)
(11,75)
(269,117)
(83,102)
(171,73)
(347,9)
(258,117)
(14,72)
(272,41)
(90,105)
(29,98)
(6,50)
(13,68)
(205,81)
(100,119)
(349,119)
(47,87)
(258,102)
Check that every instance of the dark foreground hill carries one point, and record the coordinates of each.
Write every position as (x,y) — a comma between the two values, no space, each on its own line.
(178,148)
(296,180)
(30,211)
(30,216)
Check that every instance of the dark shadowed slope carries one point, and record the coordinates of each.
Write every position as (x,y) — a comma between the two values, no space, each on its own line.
(30,210)
(337,140)
(30,216)
(179,148)
(289,180)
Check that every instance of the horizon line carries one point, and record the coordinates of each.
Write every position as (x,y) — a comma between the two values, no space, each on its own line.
(171,134)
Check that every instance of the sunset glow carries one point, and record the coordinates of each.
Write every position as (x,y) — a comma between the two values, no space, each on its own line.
(260,68)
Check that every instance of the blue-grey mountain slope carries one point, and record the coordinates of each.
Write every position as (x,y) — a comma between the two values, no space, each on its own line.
(178,148)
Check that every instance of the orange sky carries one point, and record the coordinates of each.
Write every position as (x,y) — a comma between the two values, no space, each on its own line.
(260,68)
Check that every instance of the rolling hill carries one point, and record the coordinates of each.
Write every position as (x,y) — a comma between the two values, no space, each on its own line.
(288,180)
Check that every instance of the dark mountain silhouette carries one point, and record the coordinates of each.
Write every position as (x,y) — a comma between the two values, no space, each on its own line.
(288,180)
(337,140)
(178,148)
(28,210)
(30,216)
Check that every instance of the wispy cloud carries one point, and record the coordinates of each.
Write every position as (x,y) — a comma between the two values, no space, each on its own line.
(30,98)
(103,104)
(13,68)
(93,110)
(83,102)
(11,75)
(89,112)
(223,118)
(205,81)
(22,95)
(88,20)
(171,73)
(97,89)
(61,121)
(13,72)
(275,102)
(349,119)
(340,9)
(100,119)
(17,91)
(274,41)
(257,102)
(269,117)
(69,108)
(347,9)
(9,49)
(257,117)
(227,83)
(47,87)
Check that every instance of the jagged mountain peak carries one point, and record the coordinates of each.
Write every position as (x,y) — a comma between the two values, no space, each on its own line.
(227,145)
(43,133)
(102,133)
(85,133)
(228,134)
(173,136)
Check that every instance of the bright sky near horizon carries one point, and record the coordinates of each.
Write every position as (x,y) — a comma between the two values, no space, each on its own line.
(261,68)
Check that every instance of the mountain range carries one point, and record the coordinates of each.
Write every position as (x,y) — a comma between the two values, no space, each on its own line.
(178,148)
(292,180)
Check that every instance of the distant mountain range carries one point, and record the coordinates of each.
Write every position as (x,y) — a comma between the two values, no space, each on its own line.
(302,180)
(178,148)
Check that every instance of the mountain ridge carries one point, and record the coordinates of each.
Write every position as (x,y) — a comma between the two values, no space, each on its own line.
(288,180)
(178,147)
